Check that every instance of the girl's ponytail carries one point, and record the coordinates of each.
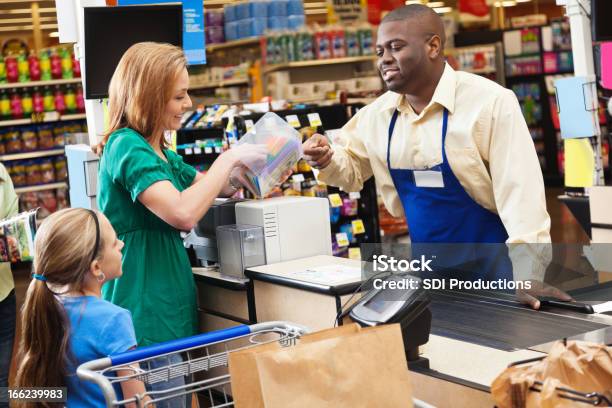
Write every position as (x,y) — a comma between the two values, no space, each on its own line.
(44,339)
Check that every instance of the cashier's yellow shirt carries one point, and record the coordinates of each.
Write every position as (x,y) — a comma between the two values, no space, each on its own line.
(488,147)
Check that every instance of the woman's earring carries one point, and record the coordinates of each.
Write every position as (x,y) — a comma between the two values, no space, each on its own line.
(101,277)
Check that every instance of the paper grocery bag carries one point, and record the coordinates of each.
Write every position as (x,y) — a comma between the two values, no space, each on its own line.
(579,366)
(343,367)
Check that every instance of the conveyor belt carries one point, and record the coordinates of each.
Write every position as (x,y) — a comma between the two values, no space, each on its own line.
(500,325)
(598,293)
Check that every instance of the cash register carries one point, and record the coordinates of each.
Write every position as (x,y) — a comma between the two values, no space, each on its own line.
(290,228)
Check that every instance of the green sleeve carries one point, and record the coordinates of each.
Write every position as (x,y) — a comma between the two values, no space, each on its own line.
(9,204)
(185,173)
(132,162)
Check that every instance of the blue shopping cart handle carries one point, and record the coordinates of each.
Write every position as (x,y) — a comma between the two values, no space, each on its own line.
(179,345)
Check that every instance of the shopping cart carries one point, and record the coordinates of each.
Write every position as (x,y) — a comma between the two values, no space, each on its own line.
(202,353)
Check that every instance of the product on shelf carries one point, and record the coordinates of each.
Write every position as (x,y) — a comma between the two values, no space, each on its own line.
(27,104)
(5,106)
(48,100)
(34,67)
(47,201)
(16,105)
(17,171)
(33,173)
(58,99)
(61,195)
(320,43)
(524,66)
(70,100)
(45,137)
(349,207)
(29,138)
(38,101)
(28,201)
(253,18)
(23,68)
(214,26)
(562,39)
(56,65)
(47,171)
(45,66)
(12,140)
(2,70)
(61,168)
(80,99)
(66,61)
(12,71)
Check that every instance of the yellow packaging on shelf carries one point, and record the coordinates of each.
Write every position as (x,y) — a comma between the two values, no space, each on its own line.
(579,163)
(358,227)
(335,200)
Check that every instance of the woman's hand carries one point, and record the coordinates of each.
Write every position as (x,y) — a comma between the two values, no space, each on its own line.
(238,179)
(253,156)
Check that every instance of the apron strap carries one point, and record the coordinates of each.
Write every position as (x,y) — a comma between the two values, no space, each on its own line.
(391,128)
(444,127)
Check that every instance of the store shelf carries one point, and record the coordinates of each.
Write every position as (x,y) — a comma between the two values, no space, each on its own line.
(31,155)
(221,84)
(50,186)
(481,71)
(232,44)
(47,119)
(314,63)
(525,76)
(526,55)
(40,83)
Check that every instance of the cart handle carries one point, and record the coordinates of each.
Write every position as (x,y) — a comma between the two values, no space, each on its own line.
(179,345)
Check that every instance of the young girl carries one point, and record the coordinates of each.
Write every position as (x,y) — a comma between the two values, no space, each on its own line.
(64,322)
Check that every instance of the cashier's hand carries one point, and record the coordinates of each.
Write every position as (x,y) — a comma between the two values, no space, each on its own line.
(540,289)
(317,151)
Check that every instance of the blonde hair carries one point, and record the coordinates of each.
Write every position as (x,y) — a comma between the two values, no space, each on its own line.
(63,251)
(141,87)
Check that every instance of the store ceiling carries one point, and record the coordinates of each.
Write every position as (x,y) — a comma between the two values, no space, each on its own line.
(16,15)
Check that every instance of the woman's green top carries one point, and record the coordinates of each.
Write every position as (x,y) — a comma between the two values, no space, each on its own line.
(157,285)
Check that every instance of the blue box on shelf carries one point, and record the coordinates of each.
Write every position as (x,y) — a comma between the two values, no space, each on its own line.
(278,8)
(243,11)
(230,13)
(296,22)
(231,31)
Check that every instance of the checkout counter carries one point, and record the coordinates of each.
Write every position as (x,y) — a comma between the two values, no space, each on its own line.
(472,338)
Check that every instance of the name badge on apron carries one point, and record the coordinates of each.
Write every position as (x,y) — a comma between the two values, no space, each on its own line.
(428,178)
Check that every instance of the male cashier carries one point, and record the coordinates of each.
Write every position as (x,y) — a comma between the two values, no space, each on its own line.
(449,148)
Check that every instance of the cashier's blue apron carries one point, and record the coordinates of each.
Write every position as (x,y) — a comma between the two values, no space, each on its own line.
(448,215)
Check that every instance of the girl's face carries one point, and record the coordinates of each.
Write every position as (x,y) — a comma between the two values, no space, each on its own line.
(179,102)
(110,261)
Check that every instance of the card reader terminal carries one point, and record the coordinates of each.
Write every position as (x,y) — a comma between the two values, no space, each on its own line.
(408,307)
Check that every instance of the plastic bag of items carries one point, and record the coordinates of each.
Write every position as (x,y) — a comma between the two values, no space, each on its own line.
(560,380)
(284,149)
